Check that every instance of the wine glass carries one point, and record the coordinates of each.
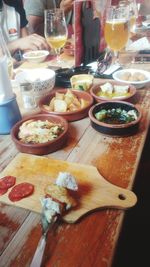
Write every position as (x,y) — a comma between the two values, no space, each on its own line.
(116,29)
(55,29)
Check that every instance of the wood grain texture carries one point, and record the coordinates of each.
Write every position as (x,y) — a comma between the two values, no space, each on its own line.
(93,190)
(92,240)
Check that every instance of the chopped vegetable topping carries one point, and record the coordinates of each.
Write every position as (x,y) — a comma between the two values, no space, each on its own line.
(116,116)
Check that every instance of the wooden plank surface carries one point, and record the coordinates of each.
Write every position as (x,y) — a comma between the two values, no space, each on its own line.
(93,192)
(91,241)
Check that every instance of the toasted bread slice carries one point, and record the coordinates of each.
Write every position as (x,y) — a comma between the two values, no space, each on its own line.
(60,195)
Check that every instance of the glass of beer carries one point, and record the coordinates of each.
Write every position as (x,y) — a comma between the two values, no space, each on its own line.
(133,9)
(55,29)
(133,13)
(116,30)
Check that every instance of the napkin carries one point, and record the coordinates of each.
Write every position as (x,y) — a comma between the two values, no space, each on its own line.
(141,44)
(6,92)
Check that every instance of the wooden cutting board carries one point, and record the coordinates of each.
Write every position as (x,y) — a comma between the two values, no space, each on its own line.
(94,191)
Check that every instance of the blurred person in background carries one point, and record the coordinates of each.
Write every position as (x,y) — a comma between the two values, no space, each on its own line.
(13,23)
(35,12)
(13,20)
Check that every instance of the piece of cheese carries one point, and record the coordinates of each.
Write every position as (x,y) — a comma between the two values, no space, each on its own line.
(67,180)
(107,88)
(121,89)
(60,105)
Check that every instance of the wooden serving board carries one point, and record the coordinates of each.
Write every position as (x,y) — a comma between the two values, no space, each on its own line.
(94,191)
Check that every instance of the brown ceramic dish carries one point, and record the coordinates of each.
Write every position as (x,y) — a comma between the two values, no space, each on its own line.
(69,49)
(95,89)
(114,129)
(68,115)
(43,148)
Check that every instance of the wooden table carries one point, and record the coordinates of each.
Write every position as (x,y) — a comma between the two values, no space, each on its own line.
(90,242)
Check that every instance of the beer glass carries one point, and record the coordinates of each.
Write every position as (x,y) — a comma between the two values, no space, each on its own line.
(133,13)
(55,29)
(116,29)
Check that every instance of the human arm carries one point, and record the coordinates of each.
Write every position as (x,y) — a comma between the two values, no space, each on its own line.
(67,5)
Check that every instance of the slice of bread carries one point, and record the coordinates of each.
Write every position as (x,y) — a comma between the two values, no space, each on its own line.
(60,195)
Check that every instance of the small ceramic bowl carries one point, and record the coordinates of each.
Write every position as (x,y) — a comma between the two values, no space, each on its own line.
(114,128)
(36,56)
(82,82)
(68,115)
(99,96)
(69,49)
(41,148)
(138,78)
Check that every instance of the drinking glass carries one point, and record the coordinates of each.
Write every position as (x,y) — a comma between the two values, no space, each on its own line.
(116,29)
(55,29)
(133,14)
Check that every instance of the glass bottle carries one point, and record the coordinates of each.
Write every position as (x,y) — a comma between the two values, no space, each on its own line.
(5,51)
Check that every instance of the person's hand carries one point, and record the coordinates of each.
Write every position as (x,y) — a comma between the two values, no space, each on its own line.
(67,5)
(30,42)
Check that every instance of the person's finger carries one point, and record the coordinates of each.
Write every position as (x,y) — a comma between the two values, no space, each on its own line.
(40,42)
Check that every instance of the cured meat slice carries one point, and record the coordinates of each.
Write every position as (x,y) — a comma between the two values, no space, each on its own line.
(7,182)
(3,191)
(20,191)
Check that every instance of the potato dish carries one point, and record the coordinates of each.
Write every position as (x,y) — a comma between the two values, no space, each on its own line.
(38,131)
(66,102)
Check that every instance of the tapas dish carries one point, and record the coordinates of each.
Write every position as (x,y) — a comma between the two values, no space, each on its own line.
(112,90)
(70,104)
(40,134)
(115,118)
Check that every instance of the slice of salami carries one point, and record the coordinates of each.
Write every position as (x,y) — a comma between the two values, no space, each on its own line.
(7,182)
(3,191)
(20,191)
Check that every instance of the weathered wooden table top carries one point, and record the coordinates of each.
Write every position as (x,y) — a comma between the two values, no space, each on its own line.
(90,242)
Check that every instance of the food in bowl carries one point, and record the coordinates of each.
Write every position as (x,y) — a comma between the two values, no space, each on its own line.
(116,115)
(81,82)
(39,144)
(139,78)
(66,102)
(135,77)
(115,118)
(76,103)
(36,56)
(39,131)
(108,90)
(111,91)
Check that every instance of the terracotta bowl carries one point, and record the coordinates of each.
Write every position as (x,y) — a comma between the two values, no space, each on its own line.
(95,89)
(69,49)
(69,116)
(114,129)
(43,148)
